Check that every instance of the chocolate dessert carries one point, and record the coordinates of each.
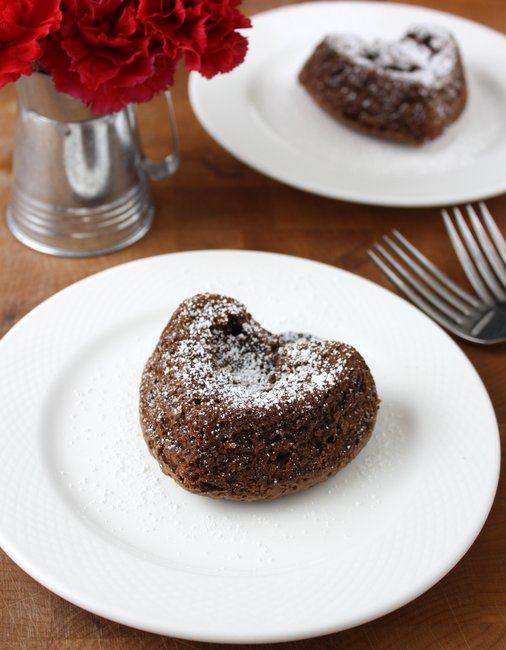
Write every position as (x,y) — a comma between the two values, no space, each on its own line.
(408,90)
(230,410)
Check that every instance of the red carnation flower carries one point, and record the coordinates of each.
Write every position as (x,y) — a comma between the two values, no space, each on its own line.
(225,48)
(23,23)
(103,56)
(179,24)
(202,30)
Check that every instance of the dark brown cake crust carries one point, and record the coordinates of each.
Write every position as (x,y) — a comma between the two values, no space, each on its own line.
(230,410)
(409,90)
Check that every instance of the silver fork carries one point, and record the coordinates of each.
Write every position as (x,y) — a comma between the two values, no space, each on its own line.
(479,317)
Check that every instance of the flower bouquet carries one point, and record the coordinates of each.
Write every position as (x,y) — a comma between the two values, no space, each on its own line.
(109,53)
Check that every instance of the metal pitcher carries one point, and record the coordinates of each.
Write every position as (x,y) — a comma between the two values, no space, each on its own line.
(80,181)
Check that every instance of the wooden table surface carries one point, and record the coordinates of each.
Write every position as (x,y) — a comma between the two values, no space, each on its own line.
(214,201)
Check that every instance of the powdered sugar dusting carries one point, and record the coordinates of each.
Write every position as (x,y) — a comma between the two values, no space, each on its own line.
(226,355)
(426,55)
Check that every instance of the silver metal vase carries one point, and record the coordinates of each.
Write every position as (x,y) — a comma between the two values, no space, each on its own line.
(80,181)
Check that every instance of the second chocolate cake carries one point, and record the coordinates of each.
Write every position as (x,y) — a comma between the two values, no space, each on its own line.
(230,410)
(408,90)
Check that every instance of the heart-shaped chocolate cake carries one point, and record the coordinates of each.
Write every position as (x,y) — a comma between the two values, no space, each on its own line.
(408,90)
(230,410)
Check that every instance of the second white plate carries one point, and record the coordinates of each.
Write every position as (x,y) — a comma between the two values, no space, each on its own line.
(262,115)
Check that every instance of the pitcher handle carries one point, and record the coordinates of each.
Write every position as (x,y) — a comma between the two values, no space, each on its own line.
(159,169)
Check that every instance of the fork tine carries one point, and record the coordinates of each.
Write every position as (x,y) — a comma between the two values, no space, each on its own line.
(427,278)
(442,277)
(424,291)
(494,231)
(465,260)
(487,247)
(480,261)
(412,295)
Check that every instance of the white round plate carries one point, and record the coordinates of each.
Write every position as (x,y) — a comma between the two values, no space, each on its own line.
(261,114)
(87,512)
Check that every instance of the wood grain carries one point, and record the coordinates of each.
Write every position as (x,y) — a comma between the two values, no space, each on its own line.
(214,201)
